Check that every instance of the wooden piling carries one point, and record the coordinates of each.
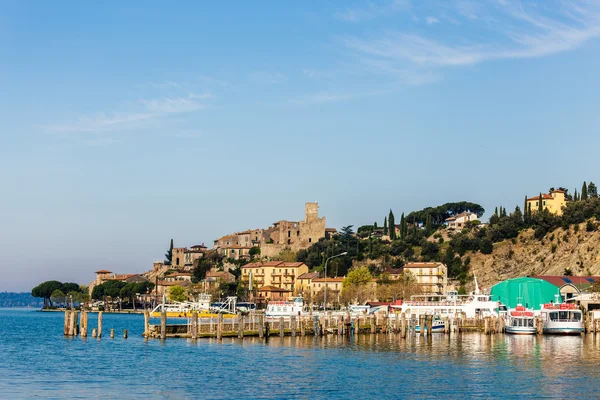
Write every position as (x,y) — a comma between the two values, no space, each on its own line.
(403,326)
(163,325)
(112,333)
(66,326)
(220,327)
(125,334)
(539,325)
(281,327)
(373,324)
(396,322)
(84,324)
(146,323)
(421,325)
(99,324)
(240,319)
(261,325)
(429,325)
(94,332)
(302,329)
(293,325)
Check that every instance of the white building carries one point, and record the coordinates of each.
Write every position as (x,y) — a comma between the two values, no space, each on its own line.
(459,221)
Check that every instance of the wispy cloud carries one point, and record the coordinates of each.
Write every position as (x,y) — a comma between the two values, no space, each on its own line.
(431,20)
(133,116)
(373,10)
(333,97)
(504,30)
(267,77)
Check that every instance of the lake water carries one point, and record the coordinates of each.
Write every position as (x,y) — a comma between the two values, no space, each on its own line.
(37,361)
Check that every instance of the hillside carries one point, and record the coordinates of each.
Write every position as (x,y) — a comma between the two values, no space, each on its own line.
(574,249)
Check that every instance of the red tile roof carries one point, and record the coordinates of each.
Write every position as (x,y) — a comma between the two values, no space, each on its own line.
(103,271)
(308,275)
(545,196)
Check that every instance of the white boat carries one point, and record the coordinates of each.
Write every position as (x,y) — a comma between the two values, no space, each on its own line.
(185,309)
(520,321)
(452,305)
(437,325)
(293,306)
(565,319)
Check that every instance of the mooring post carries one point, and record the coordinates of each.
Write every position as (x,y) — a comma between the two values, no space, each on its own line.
(94,332)
(293,325)
(99,324)
(240,319)
(220,327)
(84,324)
(302,332)
(146,323)
(316,325)
(66,327)
(373,325)
(403,326)
(112,333)
(261,325)
(125,334)
(194,324)
(281,327)
(163,325)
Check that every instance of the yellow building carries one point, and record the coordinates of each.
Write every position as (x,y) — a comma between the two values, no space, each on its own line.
(431,276)
(553,202)
(303,287)
(273,273)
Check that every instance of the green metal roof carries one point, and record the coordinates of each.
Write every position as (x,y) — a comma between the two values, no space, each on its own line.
(530,292)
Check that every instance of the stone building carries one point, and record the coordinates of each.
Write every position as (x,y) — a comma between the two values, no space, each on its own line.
(295,235)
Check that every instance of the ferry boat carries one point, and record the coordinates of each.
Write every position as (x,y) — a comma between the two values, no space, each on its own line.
(437,325)
(520,321)
(474,305)
(293,306)
(562,318)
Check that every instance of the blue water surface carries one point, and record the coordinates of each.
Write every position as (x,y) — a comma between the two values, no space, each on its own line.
(37,361)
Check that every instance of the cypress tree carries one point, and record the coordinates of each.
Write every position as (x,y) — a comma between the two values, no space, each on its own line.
(385,227)
(496,212)
(575,196)
(402,226)
(428,224)
(540,204)
(529,212)
(169,255)
(584,194)
(375,225)
(525,216)
(391,226)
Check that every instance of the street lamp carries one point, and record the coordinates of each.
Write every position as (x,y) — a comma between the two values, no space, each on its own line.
(325,281)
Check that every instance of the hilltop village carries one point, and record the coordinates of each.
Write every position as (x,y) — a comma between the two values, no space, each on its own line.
(430,252)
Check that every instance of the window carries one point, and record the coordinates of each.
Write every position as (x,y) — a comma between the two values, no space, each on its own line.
(289,241)
(544,203)
(536,203)
(309,240)
(289,233)
(297,233)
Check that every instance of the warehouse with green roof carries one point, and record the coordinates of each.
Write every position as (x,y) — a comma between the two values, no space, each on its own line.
(527,291)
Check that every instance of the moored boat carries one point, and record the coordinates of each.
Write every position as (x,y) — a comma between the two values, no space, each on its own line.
(520,321)
(437,325)
(564,319)
(287,308)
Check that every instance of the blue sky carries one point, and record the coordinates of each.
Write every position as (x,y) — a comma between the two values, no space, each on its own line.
(125,124)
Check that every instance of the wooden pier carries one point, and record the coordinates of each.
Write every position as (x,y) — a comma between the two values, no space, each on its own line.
(259,325)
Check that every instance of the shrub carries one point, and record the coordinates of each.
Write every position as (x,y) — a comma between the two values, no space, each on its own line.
(554,246)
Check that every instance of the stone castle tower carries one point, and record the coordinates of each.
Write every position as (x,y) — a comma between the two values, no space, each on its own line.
(311,212)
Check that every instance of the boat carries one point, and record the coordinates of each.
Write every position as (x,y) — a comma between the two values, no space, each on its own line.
(437,325)
(520,321)
(475,305)
(451,305)
(201,306)
(564,318)
(286,308)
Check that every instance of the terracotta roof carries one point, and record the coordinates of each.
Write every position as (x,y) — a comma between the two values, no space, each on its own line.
(103,271)
(273,289)
(394,271)
(545,196)
(291,264)
(173,283)
(557,191)
(217,273)
(330,230)
(308,275)
(579,282)
(336,279)
(462,214)
(422,264)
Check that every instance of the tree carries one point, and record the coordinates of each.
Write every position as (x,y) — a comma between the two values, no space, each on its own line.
(45,290)
(540,203)
(358,276)
(169,254)
(525,216)
(486,246)
(584,192)
(392,226)
(58,296)
(254,251)
(402,226)
(286,255)
(200,270)
(177,293)
(592,190)
(385,226)
(428,227)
